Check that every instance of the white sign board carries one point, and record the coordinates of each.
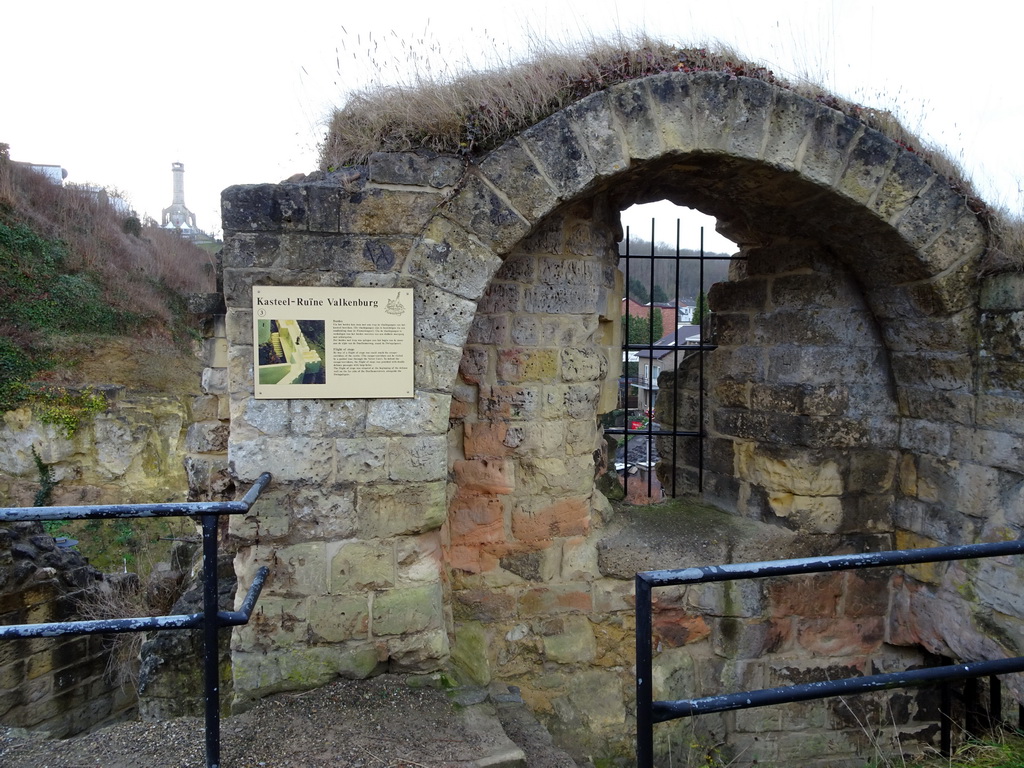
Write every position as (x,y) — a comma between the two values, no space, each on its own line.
(332,342)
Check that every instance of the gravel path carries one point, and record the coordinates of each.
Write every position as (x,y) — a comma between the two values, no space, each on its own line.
(375,723)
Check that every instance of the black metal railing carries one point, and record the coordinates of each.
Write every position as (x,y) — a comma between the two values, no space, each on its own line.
(650,712)
(211,619)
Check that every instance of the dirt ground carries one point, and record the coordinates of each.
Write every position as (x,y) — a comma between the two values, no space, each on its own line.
(377,723)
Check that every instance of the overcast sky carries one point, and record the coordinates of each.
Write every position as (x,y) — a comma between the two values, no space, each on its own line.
(240,91)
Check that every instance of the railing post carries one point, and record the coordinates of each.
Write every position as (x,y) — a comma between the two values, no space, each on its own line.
(644,683)
(211,651)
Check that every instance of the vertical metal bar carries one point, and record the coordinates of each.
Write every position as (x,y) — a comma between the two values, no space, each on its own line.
(945,720)
(212,655)
(675,363)
(700,375)
(972,721)
(644,683)
(995,702)
(627,350)
(650,358)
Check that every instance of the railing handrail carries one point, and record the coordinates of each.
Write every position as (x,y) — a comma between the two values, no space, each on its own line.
(650,712)
(211,619)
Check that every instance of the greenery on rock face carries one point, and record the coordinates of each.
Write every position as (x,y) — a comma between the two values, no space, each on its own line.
(39,297)
(73,267)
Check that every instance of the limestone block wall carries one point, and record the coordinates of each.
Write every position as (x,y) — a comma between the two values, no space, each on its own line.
(351,525)
(961,479)
(803,420)
(53,686)
(132,451)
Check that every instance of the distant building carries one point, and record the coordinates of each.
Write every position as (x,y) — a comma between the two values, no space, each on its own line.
(664,356)
(177,216)
(54,173)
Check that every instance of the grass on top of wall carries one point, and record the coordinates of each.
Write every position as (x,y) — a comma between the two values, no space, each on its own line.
(472,111)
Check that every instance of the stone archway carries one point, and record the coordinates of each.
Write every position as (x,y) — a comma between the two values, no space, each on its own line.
(369,573)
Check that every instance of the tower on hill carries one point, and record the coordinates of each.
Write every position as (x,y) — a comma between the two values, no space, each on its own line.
(177,216)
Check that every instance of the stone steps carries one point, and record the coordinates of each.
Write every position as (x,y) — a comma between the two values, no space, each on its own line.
(514,737)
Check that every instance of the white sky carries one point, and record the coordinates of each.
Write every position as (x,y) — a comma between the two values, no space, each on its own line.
(239,91)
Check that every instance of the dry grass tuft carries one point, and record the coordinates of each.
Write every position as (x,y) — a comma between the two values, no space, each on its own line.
(474,111)
(468,113)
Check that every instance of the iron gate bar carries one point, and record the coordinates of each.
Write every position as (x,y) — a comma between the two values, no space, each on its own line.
(650,712)
(698,349)
(211,619)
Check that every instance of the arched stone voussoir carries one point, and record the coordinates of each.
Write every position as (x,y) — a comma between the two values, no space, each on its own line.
(480,209)
(593,119)
(442,316)
(450,258)
(560,154)
(511,169)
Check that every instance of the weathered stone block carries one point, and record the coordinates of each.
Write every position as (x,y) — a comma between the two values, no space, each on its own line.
(570,517)
(357,566)
(514,172)
(470,652)
(555,599)
(395,509)
(560,154)
(386,211)
(509,402)
(424,414)
(934,209)
(829,142)
(518,365)
(841,637)
(329,418)
(593,121)
(320,513)
(901,186)
(636,119)
(335,619)
(573,644)
(262,207)
(442,316)
(401,611)
(868,164)
(748,295)
(362,460)
(501,297)
(583,364)
(414,168)
(301,568)
(485,476)
(481,210)
(792,120)
(446,256)
(485,440)
(1003,293)
(289,458)
(562,299)
(435,365)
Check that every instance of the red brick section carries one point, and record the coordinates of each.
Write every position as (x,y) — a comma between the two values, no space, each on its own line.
(484,475)
(840,636)
(570,517)
(675,627)
(485,439)
(815,596)
(476,518)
